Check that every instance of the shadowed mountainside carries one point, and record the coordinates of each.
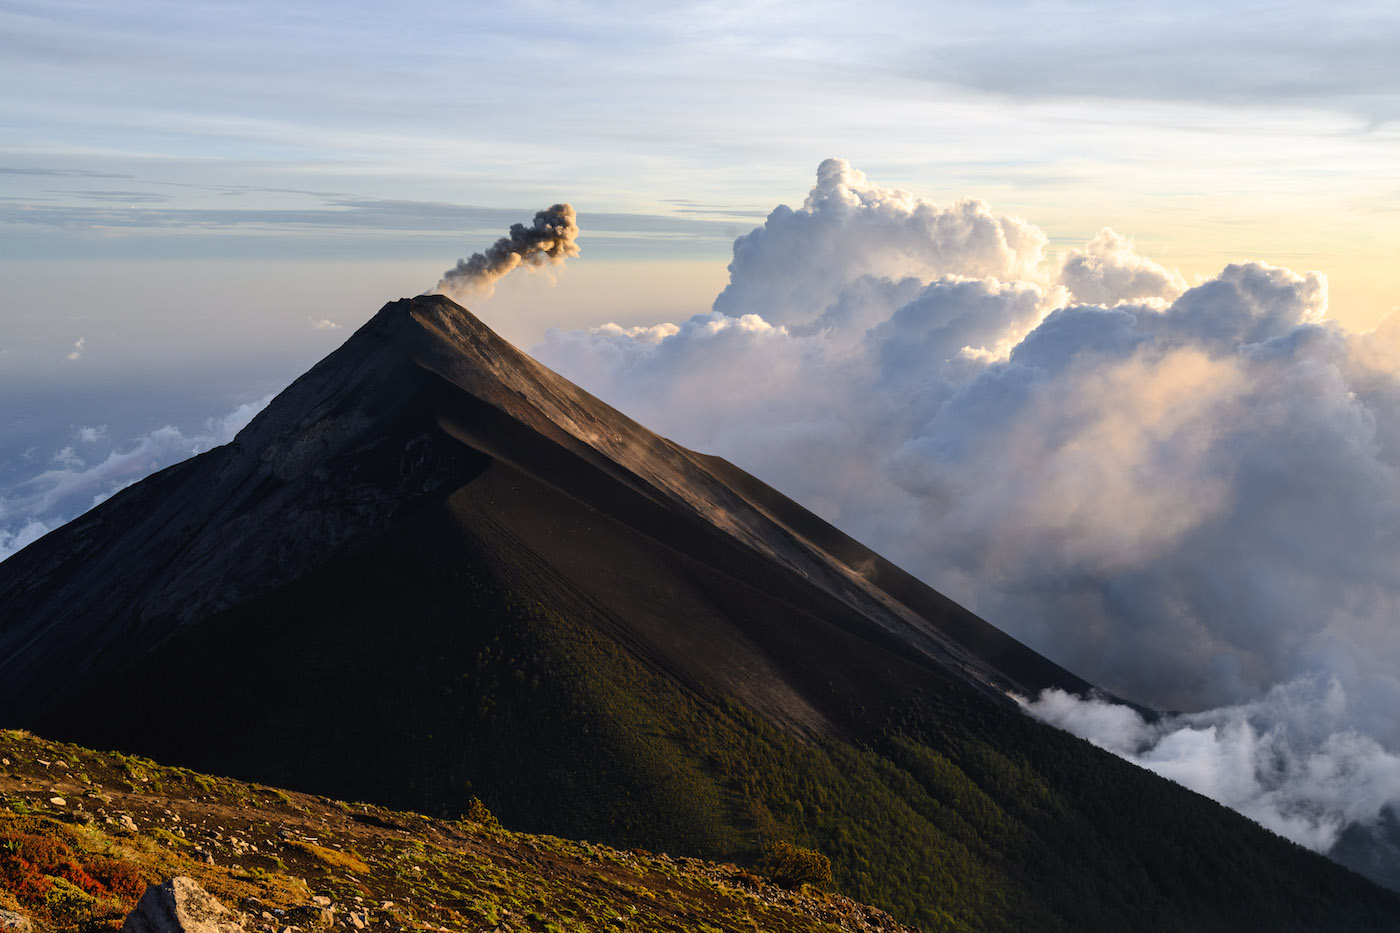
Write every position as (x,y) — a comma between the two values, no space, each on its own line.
(433,569)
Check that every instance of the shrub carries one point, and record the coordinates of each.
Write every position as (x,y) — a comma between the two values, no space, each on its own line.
(791,866)
(477,812)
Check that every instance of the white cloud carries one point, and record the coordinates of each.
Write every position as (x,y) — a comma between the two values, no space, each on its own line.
(1109,270)
(23,536)
(1287,760)
(77,349)
(70,487)
(789,270)
(323,324)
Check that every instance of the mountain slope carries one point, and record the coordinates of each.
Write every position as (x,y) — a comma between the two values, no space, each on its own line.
(432,569)
(288,858)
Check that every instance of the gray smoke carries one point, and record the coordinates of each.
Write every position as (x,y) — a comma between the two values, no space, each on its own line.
(551,238)
(1185,492)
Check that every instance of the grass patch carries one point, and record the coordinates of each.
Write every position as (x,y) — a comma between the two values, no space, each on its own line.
(336,858)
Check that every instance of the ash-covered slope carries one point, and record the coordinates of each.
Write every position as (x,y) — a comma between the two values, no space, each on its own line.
(432,569)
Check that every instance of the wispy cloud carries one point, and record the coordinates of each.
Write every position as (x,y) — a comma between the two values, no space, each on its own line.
(70,486)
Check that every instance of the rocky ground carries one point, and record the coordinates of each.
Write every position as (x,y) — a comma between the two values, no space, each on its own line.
(83,833)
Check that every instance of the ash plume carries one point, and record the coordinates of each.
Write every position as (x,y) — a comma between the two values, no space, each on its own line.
(551,238)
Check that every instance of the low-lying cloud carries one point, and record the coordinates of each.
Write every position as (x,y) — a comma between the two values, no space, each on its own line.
(1288,760)
(1185,492)
(78,479)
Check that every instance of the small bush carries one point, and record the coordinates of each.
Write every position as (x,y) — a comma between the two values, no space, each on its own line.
(790,866)
(477,812)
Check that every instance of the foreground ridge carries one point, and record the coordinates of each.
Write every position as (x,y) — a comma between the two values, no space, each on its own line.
(284,859)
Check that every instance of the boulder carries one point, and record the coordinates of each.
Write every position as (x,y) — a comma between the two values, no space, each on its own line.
(180,905)
(11,922)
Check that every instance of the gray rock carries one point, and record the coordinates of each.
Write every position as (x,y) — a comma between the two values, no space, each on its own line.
(312,915)
(180,905)
(11,922)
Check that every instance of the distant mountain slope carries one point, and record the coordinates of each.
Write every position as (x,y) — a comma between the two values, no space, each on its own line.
(433,569)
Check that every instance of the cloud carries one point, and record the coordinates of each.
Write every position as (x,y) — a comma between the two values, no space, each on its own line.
(1286,760)
(1109,270)
(23,536)
(1188,495)
(70,487)
(77,349)
(323,324)
(1122,53)
(797,263)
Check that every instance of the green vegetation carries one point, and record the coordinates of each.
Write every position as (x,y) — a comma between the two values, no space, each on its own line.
(347,861)
(959,815)
(79,868)
(792,866)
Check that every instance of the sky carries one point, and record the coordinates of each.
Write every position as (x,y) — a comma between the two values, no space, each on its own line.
(1074,309)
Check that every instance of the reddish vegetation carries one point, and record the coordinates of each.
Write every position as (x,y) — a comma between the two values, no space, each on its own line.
(29,863)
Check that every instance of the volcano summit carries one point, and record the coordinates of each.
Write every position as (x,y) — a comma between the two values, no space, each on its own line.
(433,569)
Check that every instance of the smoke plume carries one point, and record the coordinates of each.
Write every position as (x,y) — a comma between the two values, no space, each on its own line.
(551,238)
(1185,492)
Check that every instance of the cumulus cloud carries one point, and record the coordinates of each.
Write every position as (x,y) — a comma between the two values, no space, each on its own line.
(791,268)
(70,487)
(323,324)
(1109,270)
(1188,495)
(1287,760)
(77,349)
(550,238)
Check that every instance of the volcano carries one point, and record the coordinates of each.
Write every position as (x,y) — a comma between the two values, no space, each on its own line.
(433,570)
